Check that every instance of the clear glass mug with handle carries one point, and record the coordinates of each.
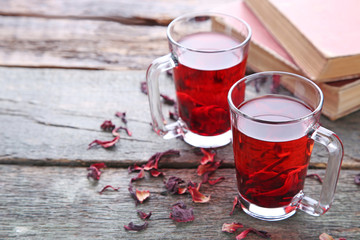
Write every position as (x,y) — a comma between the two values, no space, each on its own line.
(275,122)
(208,53)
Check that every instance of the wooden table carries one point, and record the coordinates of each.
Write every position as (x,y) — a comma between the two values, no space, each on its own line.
(66,66)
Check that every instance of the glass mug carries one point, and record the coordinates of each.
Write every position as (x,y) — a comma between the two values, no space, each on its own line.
(208,53)
(275,122)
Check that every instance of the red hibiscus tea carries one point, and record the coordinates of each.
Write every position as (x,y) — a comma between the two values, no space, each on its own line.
(271,163)
(275,123)
(208,53)
(202,82)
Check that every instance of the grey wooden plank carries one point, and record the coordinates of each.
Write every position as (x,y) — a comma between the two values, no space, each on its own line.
(85,44)
(131,12)
(49,116)
(61,203)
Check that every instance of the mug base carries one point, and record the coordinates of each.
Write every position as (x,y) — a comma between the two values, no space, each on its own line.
(270,214)
(207,141)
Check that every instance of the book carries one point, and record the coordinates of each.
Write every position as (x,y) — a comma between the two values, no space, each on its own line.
(321,35)
(341,98)
(266,54)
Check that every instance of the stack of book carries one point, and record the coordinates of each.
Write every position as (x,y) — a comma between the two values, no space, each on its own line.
(317,39)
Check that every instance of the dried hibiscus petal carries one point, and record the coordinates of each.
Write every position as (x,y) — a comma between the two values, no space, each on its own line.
(208,168)
(122,116)
(236,203)
(208,156)
(115,131)
(132,227)
(142,195)
(325,236)
(315,176)
(357,179)
(140,175)
(198,197)
(137,195)
(134,168)
(173,116)
(94,173)
(231,227)
(153,162)
(156,173)
(107,126)
(104,144)
(144,88)
(94,170)
(180,213)
(143,215)
(244,233)
(109,186)
(182,190)
(98,165)
(213,182)
(173,183)
(167,100)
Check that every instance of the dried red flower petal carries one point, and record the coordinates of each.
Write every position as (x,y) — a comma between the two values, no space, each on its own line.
(153,161)
(208,168)
(325,236)
(167,100)
(315,176)
(95,172)
(236,203)
(182,190)
(143,215)
(134,168)
(107,126)
(137,195)
(231,227)
(180,213)
(244,233)
(173,183)
(140,175)
(109,186)
(104,144)
(122,116)
(173,116)
(132,227)
(192,184)
(144,88)
(115,131)
(142,195)
(213,182)
(357,179)
(98,165)
(198,197)
(156,173)
(208,156)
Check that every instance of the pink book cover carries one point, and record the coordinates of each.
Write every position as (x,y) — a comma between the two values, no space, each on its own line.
(332,26)
(260,36)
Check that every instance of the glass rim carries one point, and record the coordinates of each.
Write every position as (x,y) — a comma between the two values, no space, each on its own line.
(255,75)
(209,14)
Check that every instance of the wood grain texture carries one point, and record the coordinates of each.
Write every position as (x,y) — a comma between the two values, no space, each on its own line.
(86,44)
(145,12)
(49,116)
(88,34)
(61,203)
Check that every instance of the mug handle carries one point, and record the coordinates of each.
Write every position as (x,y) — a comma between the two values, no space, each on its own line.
(335,149)
(159,124)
